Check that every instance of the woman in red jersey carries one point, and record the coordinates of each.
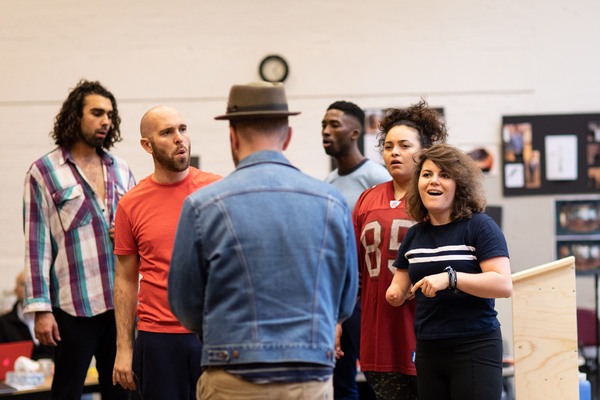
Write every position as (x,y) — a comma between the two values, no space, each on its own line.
(380,222)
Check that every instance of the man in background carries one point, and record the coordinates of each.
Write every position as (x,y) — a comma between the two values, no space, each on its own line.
(342,127)
(70,199)
(264,263)
(17,326)
(166,356)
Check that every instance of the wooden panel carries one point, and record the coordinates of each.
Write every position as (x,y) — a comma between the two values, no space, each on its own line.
(545,332)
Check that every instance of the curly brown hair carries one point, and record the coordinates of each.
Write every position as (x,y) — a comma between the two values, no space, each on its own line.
(67,125)
(427,121)
(469,197)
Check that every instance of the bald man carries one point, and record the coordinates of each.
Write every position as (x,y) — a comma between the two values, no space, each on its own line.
(164,360)
(16,326)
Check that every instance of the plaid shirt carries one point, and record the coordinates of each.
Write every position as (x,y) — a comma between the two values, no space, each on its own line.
(69,260)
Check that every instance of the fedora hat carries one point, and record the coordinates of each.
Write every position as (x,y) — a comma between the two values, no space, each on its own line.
(257,100)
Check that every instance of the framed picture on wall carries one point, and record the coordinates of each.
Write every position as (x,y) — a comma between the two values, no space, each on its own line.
(578,232)
(485,156)
(550,154)
(370,143)
(578,217)
(586,253)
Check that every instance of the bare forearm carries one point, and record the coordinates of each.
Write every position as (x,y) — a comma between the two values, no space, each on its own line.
(486,284)
(399,288)
(125,305)
(495,280)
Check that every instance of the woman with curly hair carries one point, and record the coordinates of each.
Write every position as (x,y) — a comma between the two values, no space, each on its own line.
(380,222)
(457,259)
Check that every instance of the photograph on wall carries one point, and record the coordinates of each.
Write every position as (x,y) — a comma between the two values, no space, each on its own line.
(371,145)
(561,157)
(593,155)
(484,156)
(522,162)
(532,168)
(578,232)
(514,176)
(578,217)
(516,137)
(586,253)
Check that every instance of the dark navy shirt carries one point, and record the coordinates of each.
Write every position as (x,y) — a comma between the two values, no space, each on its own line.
(428,249)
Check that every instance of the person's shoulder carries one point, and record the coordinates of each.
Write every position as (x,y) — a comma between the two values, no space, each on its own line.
(314,182)
(44,168)
(9,315)
(480,218)
(318,187)
(138,189)
(203,177)
(375,190)
(486,223)
(207,187)
(381,187)
(51,157)
(322,188)
(480,224)
(117,160)
(331,176)
(376,170)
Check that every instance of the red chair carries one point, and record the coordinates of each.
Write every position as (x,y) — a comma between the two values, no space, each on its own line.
(587,333)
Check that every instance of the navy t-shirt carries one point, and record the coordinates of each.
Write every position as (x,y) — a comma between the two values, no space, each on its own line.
(428,249)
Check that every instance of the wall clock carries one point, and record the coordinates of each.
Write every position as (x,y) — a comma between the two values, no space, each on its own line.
(273,68)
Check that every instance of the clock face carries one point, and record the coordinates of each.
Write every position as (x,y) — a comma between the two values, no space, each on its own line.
(273,69)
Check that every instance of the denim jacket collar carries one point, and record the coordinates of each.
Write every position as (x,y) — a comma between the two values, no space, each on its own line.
(264,156)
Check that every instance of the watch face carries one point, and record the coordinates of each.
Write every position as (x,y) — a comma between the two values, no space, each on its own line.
(273,69)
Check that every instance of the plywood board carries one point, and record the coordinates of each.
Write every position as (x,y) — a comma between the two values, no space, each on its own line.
(545,332)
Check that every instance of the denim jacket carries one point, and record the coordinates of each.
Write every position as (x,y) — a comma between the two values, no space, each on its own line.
(264,265)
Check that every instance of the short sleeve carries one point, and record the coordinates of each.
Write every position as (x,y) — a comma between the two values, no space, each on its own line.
(125,242)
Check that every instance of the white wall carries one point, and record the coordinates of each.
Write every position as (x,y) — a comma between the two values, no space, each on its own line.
(478,59)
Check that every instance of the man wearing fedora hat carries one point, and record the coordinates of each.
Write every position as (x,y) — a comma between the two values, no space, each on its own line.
(264,263)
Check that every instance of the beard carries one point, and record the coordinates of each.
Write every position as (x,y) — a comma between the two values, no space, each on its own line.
(171,162)
(92,140)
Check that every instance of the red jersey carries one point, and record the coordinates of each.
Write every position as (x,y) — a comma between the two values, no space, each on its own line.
(145,224)
(387,341)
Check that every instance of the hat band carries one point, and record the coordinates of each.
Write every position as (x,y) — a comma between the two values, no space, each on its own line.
(262,107)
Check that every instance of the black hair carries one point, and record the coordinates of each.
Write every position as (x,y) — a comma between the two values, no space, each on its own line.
(67,125)
(350,109)
(427,121)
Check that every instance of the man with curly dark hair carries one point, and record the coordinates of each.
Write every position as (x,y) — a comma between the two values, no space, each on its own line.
(67,130)
(69,203)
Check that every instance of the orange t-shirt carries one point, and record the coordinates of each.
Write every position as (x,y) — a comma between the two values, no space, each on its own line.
(145,224)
